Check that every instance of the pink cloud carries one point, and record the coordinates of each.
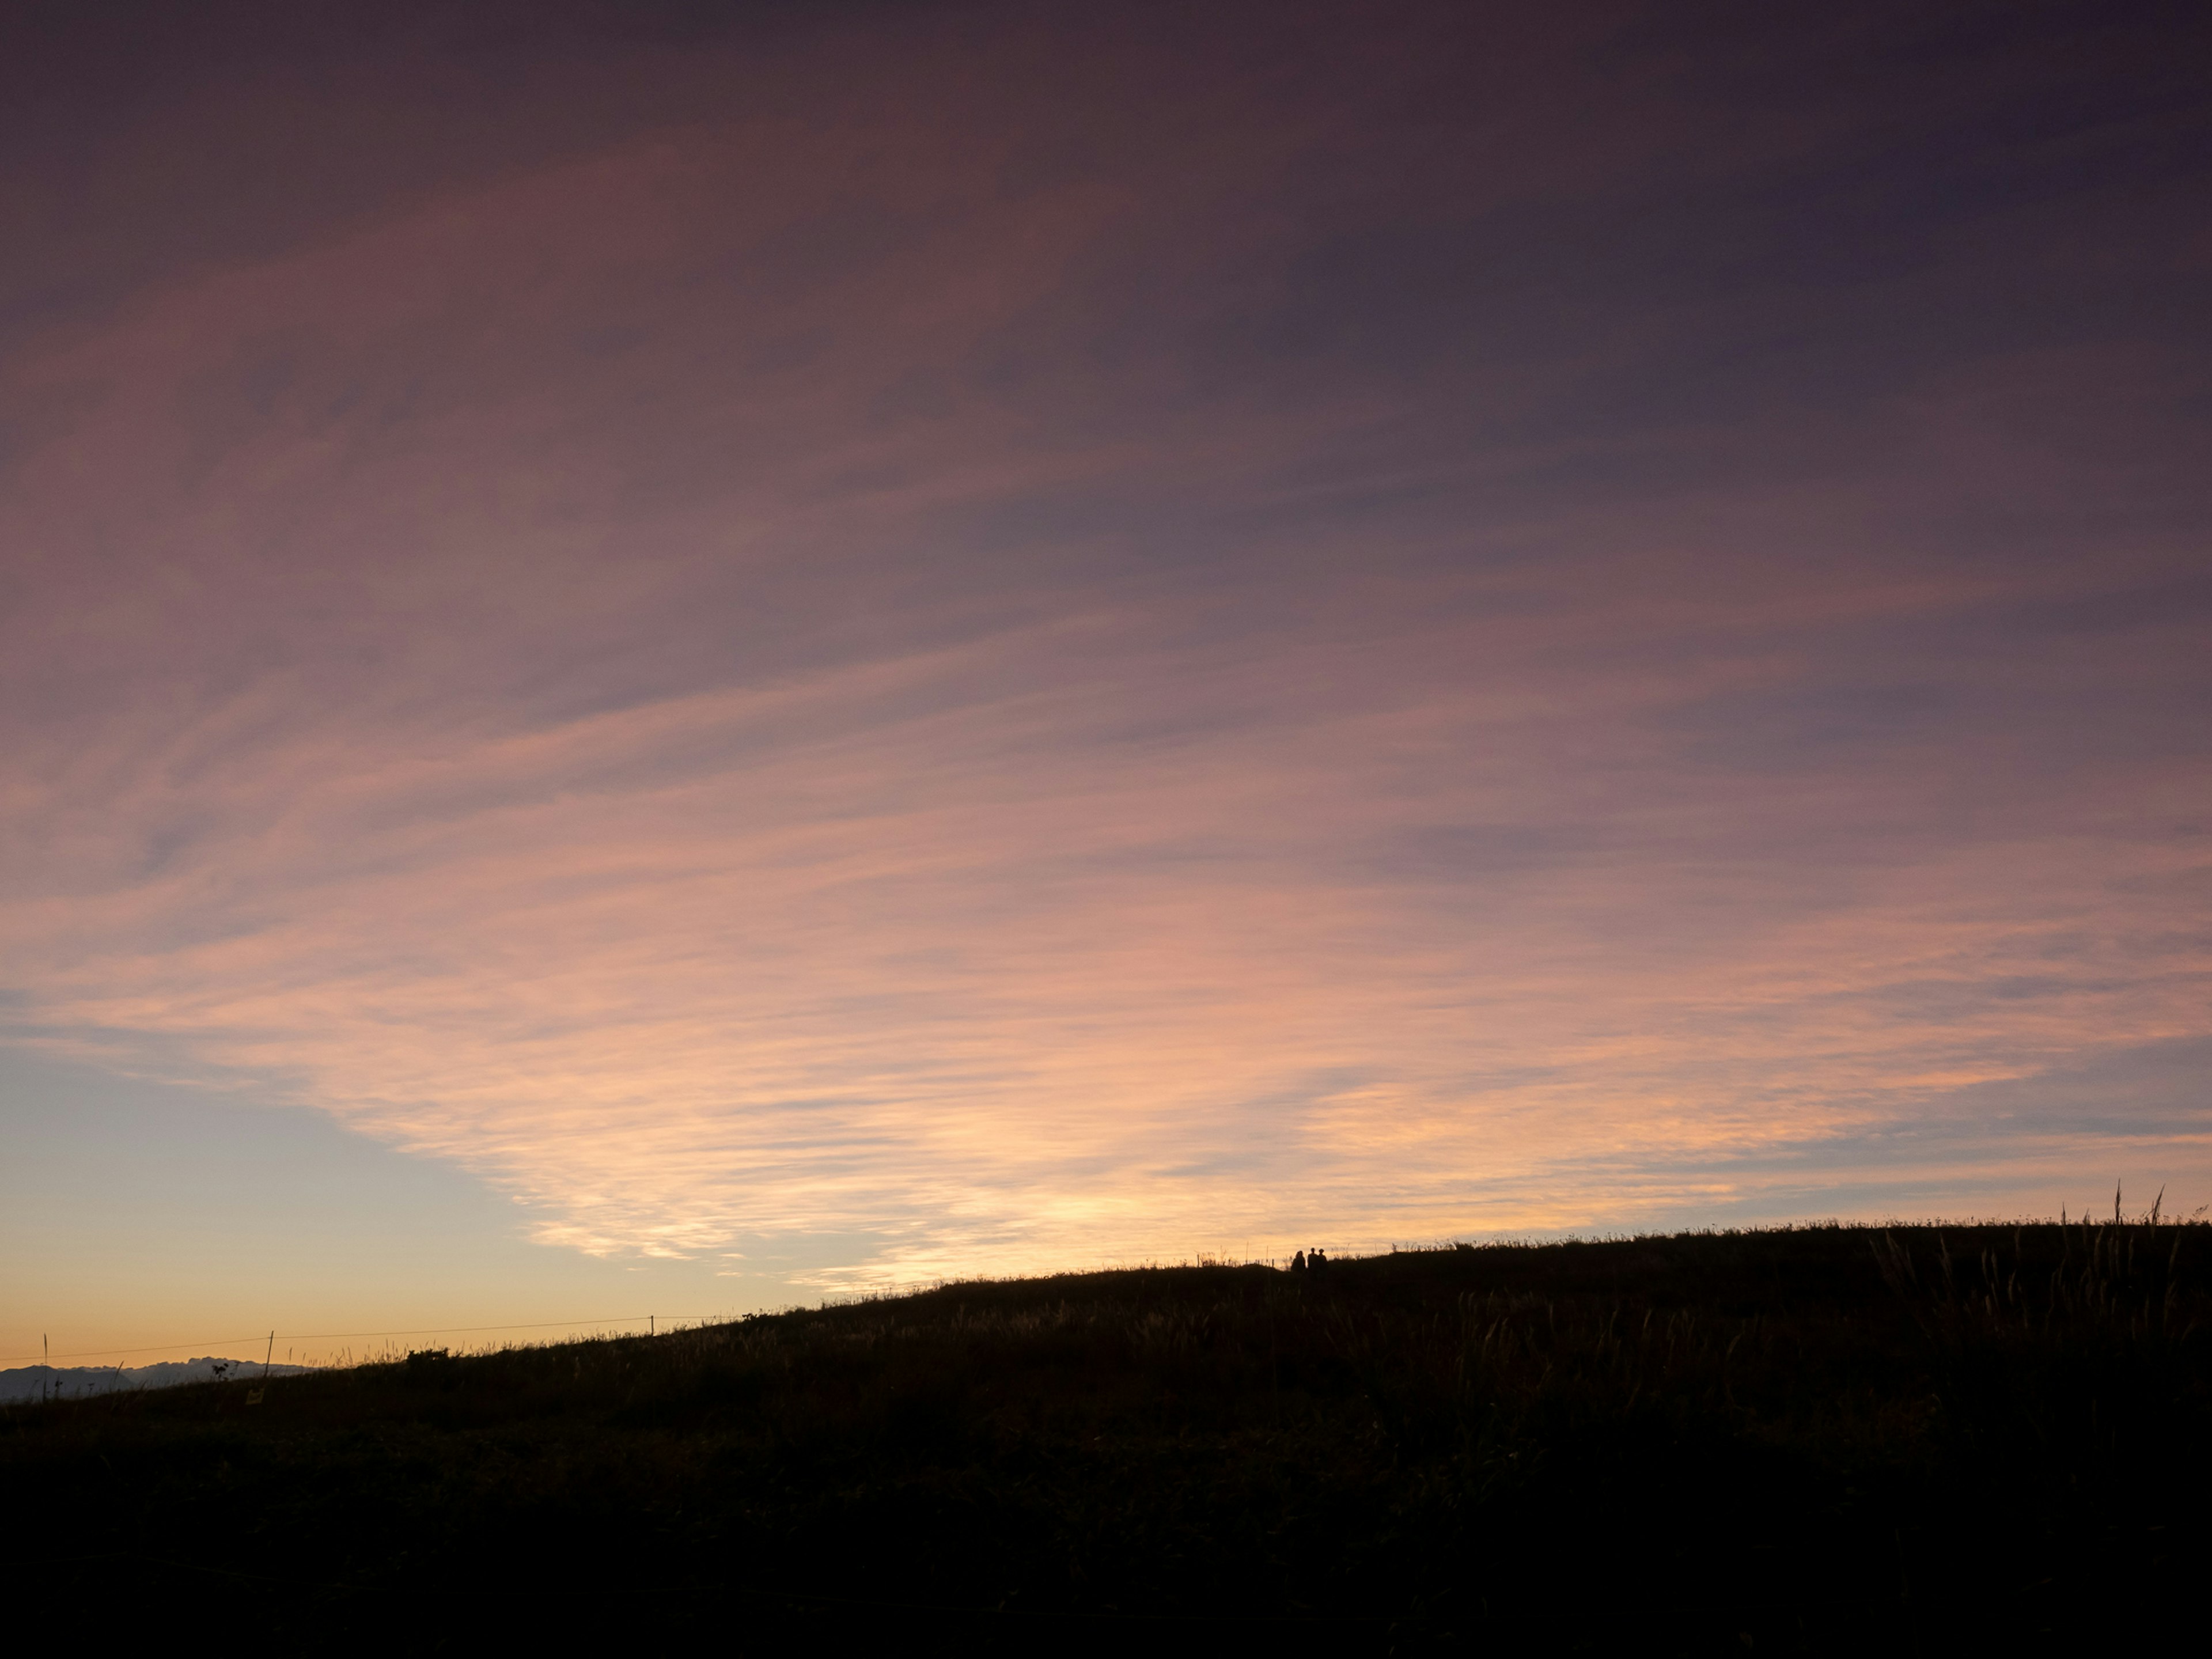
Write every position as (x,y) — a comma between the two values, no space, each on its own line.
(797,670)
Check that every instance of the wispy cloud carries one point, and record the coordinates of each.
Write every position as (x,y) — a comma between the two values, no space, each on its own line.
(891,668)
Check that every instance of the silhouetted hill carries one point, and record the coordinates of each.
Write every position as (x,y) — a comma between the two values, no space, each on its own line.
(1815,1439)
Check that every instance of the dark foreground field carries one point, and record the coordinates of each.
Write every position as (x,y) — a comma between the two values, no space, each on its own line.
(1773,1441)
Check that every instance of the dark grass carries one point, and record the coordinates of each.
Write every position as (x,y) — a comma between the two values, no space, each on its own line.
(1808,1439)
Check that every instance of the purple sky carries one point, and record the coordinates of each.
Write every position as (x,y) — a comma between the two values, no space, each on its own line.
(921,640)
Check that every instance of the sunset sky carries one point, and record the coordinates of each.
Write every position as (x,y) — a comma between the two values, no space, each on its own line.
(687,658)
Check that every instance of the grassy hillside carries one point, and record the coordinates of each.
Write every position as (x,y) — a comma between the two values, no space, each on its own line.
(1782,1441)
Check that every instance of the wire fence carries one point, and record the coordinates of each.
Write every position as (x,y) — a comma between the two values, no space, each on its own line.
(649,1319)
(261,1338)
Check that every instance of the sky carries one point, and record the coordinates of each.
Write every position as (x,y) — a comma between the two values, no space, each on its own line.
(670,659)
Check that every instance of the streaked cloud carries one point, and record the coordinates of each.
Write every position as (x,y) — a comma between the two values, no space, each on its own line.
(916,657)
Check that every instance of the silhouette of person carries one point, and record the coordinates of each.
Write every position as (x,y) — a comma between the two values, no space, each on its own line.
(1298,1263)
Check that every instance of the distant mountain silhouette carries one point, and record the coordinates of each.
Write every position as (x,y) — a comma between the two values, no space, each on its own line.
(73,1382)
